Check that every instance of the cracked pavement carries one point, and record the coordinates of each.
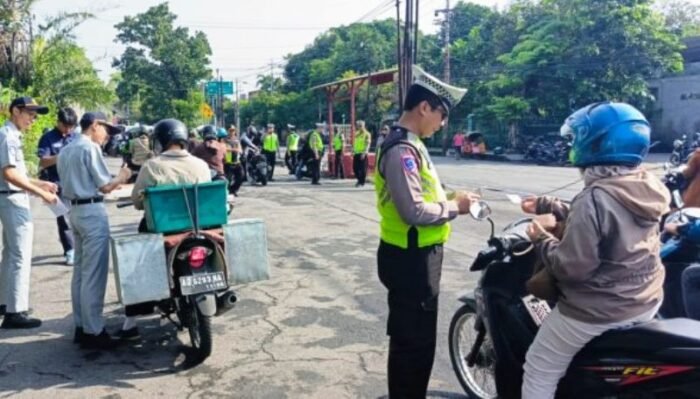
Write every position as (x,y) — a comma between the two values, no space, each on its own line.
(314,330)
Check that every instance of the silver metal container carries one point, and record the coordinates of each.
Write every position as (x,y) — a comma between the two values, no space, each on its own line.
(140,268)
(246,251)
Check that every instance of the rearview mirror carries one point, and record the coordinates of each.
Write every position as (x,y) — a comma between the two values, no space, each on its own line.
(480,210)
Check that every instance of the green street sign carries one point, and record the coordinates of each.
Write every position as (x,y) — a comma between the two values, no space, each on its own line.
(215,87)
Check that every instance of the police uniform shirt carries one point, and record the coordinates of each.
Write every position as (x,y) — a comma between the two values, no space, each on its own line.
(82,169)
(400,166)
(11,154)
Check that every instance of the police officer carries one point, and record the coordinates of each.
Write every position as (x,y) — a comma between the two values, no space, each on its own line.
(233,161)
(85,179)
(414,226)
(363,139)
(338,146)
(290,157)
(15,214)
(49,146)
(316,146)
(270,147)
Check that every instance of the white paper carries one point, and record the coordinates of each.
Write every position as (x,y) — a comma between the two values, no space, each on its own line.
(59,208)
(514,198)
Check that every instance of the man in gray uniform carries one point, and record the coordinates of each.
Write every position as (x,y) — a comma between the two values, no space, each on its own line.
(85,179)
(15,215)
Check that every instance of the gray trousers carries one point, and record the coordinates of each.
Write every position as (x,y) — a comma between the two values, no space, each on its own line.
(15,267)
(91,231)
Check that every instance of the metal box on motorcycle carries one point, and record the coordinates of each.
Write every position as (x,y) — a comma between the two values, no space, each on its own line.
(246,251)
(140,268)
(171,208)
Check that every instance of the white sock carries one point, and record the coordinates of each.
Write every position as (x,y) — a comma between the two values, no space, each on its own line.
(129,323)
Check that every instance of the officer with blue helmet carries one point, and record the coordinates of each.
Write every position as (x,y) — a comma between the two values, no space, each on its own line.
(606,265)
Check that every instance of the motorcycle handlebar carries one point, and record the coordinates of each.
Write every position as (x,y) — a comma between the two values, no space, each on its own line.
(125,204)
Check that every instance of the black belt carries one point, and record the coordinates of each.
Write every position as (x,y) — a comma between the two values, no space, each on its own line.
(8,192)
(83,201)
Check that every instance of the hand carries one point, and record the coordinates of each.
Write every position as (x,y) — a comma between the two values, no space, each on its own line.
(124,174)
(548,221)
(534,230)
(49,197)
(671,228)
(464,200)
(48,186)
(529,205)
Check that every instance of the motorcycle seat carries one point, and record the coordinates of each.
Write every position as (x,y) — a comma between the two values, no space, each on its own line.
(656,334)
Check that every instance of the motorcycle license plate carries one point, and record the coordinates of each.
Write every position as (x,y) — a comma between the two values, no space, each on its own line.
(199,283)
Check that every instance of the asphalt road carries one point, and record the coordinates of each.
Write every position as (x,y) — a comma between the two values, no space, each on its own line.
(314,330)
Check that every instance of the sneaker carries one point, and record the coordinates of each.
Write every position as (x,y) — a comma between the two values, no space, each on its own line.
(19,320)
(103,341)
(131,334)
(78,335)
(70,257)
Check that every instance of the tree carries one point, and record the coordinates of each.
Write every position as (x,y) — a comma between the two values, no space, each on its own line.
(162,65)
(682,17)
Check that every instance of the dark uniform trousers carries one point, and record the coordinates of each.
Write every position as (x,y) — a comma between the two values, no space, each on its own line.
(290,159)
(315,167)
(339,167)
(235,176)
(360,167)
(412,277)
(271,157)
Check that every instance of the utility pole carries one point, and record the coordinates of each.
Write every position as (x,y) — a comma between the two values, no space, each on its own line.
(398,52)
(238,106)
(408,46)
(446,72)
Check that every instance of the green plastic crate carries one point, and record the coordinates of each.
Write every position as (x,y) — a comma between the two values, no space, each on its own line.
(166,208)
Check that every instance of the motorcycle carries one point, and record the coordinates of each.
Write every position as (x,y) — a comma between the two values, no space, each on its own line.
(303,170)
(683,148)
(257,168)
(490,333)
(199,288)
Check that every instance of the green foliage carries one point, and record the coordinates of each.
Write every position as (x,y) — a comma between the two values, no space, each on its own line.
(682,17)
(162,65)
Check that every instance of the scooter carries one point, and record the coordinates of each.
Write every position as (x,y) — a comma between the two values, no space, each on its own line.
(491,332)
(257,168)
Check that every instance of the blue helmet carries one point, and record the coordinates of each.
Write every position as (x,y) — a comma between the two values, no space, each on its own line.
(607,133)
(221,133)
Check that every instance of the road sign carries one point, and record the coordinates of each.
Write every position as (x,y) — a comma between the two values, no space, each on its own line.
(206,111)
(216,87)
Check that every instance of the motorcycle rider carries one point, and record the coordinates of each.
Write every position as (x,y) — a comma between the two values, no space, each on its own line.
(139,148)
(606,265)
(211,151)
(689,233)
(173,166)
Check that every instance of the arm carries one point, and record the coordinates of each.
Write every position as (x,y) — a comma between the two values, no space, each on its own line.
(575,258)
(553,205)
(100,174)
(693,166)
(44,153)
(42,189)
(690,231)
(400,167)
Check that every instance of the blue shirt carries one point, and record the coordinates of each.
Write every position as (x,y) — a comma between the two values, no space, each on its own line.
(82,169)
(51,144)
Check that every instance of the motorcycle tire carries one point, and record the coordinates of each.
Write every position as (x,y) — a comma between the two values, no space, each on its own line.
(263,180)
(675,159)
(479,381)
(199,328)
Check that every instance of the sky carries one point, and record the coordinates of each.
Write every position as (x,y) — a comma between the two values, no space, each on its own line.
(246,36)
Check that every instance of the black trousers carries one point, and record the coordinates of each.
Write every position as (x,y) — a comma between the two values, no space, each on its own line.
(412,277)
(359,165)
(235,176)
(290,159)
(64,234)
(339,167)
(271,157)
(315,166)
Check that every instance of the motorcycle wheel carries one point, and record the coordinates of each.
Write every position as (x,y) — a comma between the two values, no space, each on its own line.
(263,180)
(478,381)
(675,159)
(199,328)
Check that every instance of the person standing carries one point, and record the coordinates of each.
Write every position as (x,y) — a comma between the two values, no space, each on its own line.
(85,180)
(271,146)
(414,225)
(49,146)
(363,139)
(233,162)
(457,143)
(15,214)
(316,147)
(338,147)
(382,135)
(290,157)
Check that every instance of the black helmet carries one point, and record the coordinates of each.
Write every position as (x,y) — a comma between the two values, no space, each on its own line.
(252,130)
(170,131)
(208,132)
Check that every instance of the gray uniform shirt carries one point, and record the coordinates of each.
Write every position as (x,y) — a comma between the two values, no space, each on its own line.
(82,169)
(400,166)
(11,154)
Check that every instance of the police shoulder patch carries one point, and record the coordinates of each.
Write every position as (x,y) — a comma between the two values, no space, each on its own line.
(409,164)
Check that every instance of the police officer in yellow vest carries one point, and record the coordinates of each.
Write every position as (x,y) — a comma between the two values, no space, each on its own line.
(316,146)
(338,147)
(360,149)
(271,146)
(415,215)
(290,157)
